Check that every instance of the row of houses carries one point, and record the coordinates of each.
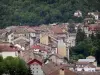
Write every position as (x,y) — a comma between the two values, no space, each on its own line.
(45,49)
(54,38)
(39,47)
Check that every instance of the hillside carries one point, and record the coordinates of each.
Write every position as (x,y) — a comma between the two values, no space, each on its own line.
(35,12)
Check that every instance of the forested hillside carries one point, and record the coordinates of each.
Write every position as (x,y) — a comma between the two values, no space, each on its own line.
(35,12)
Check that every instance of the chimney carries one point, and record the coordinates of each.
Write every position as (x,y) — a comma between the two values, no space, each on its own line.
(61,71)
(11,45)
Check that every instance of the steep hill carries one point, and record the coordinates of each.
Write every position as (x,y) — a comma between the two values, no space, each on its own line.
(35,12)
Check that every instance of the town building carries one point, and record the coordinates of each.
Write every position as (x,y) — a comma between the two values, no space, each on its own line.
(35,66)
(9,50)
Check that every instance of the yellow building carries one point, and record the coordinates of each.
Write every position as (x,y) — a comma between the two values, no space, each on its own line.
(62,48)
(44,39)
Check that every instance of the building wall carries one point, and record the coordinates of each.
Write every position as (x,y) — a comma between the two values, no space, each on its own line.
(78,69)
(61,72)
(32,36)
(62,48)
(43,53)
(86,31)
(10,37)
(86,69)
(71,40)
(95,63)
(36,69)
(89,69)
(5,54)
(44,40)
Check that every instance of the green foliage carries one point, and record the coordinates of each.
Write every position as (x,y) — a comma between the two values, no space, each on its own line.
(89,46)
(35,12)
(80,36)
(83,49)
(1,58)
(71,26)
(13,66)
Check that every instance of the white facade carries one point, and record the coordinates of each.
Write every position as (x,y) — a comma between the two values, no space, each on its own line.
(32,36)
(71,40)
(19,46)
(36,69)
(11,53)
(86,31)
(78,13)
(87,69)
(78,69)
(10,38)
(86,60)
(96,16)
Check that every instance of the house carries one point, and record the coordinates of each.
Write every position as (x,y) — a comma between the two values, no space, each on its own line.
(96,15)
(35,66)
(56,59)
(71,39)
(70,66)
(94,62)
(88,73)
(44,39)
(21,31)
(78,13)
(54,69)
(3,35)
(40,50)
(62,49)
(22,42)
(89,20)
(59,32)
(90,59)
(50,41)
(9,50)
(85,66)
(91,28)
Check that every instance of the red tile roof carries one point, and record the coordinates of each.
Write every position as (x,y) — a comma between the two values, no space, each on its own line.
(82,63)
(88,73)
(53,69)
(7,48)
(34,60)
(94,27)
(58,29)
(39,47)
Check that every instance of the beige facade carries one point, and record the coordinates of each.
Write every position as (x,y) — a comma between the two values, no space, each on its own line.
(62,48)
(61,72)
(44,39)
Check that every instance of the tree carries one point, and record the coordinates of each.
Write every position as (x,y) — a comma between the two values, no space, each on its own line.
(15,66)
(71,26)
(2,66)
(36,12)
(92,36)
(80,36)
(1,58)
(97,44)
(83,49)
